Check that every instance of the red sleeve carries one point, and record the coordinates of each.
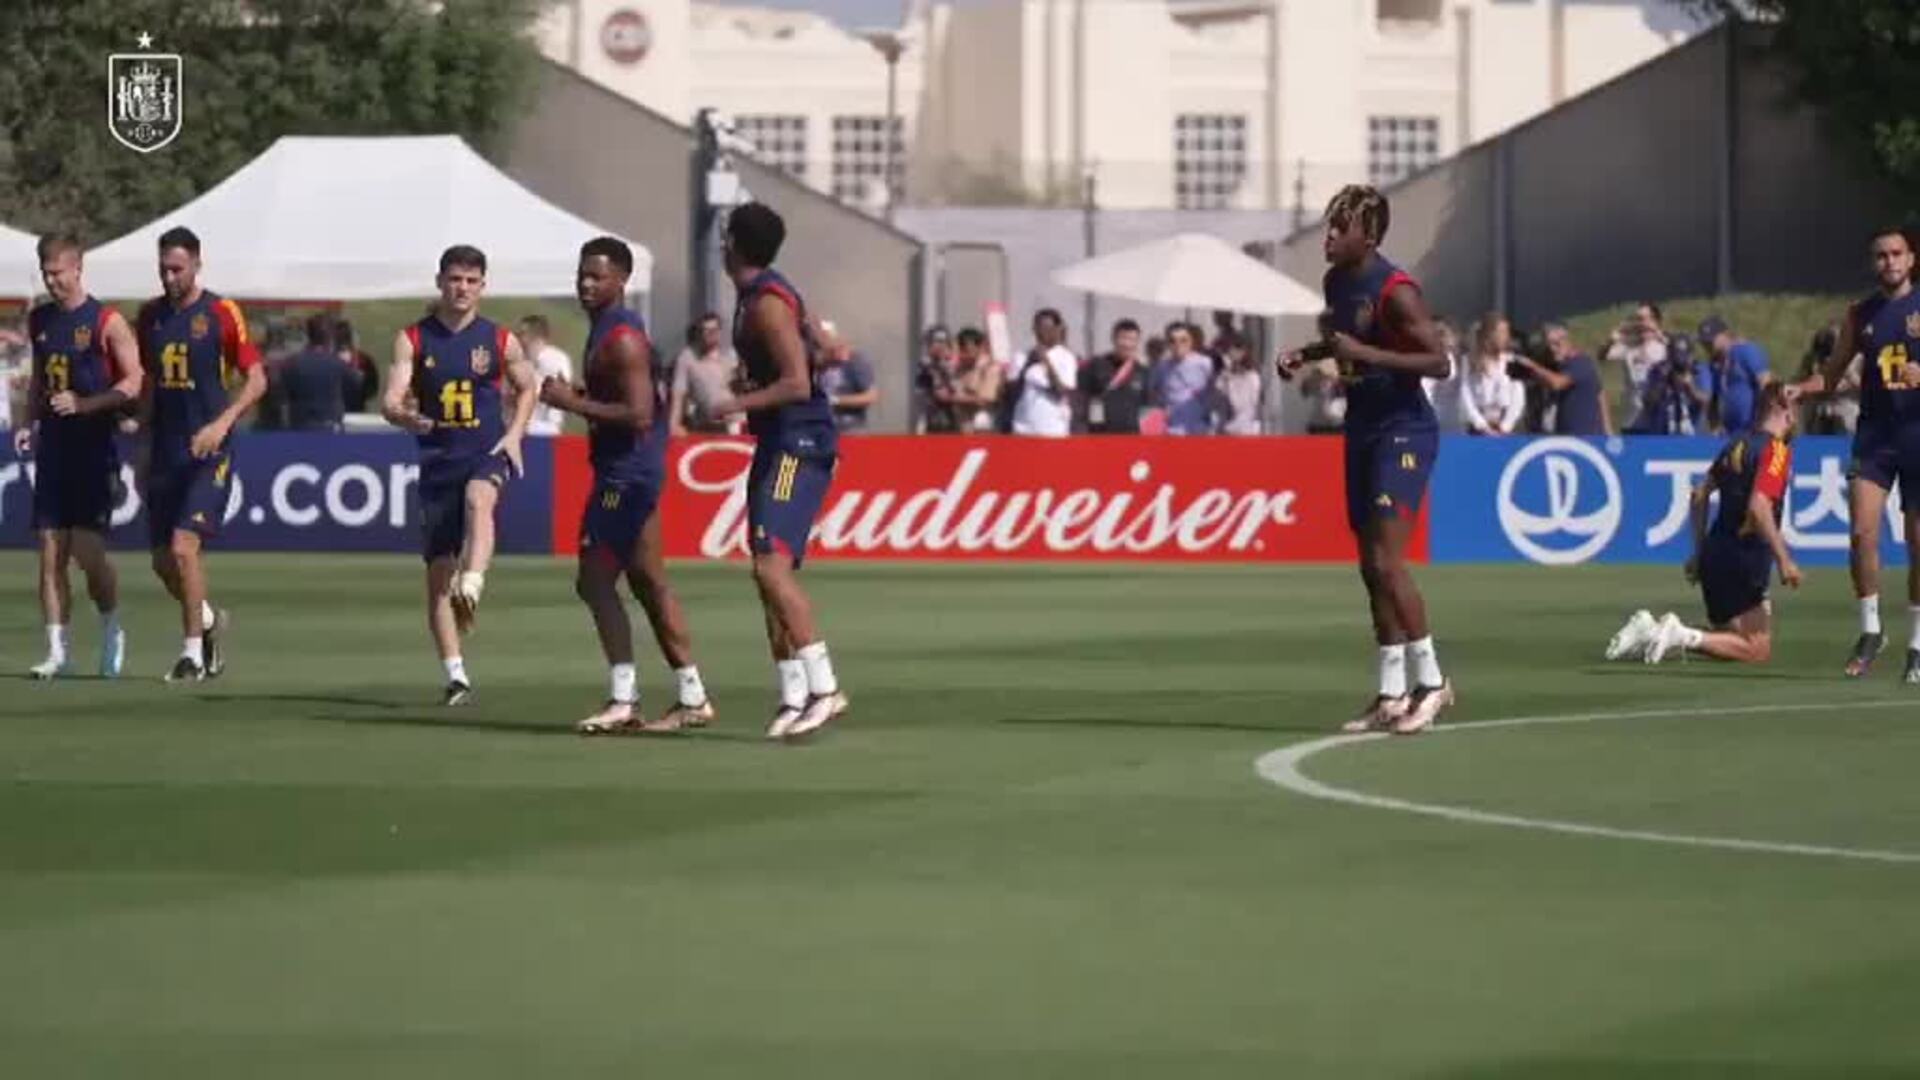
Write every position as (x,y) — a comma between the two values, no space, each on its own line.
(235,343)
(784,293)
(620,331)
(1775,470)
(501,335)
(413,339)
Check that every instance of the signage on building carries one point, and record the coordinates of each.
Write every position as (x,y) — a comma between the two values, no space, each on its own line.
(626,36)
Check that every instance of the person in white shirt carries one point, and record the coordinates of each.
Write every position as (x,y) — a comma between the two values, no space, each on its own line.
(548,363)
(1046,376)
(703,377)
(1492,402)
(1638,345)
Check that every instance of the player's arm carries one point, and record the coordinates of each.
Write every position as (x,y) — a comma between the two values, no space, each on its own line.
(123,359)
(1769,487)
(677,397)
(1406,309)
(773,320)
(631,356)
(1697,508)
(238,351)
(393,403)
(525,395)
(1828,377)
(149,364)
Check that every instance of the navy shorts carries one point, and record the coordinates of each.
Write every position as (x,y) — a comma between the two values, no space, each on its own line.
(443,501)
(785,492)
(1876,456)
(1387,475)
(190,496)
(1734,578)
(617,512)
(74,491)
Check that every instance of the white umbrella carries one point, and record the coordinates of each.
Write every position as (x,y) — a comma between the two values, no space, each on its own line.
(19,264)
(1192,270)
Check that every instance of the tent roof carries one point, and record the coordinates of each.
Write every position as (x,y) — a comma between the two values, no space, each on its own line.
(19,264)
(348,218)
(1196,270)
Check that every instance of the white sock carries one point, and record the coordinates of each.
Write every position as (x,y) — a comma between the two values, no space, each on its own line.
(623,683)
(193,650)
(1870,614)
(1913,626)
(110,622)
(819,668)
(792,676)
(57,640)
(206,615)
(1426,663)
(456,669)
(1691,638)
(692,690)
(1393,671)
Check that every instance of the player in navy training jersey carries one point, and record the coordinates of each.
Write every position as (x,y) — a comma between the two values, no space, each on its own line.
(446,386)
(193,347)
(1884,331)
(624,401)
(1734,559)
(795,449)
(86,373)
(1378,329)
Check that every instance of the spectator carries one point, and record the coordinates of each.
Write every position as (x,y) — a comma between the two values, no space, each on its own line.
(346,346)
(1225,333)
(1185,382)
(976,383)
(934,382)
(16,369)
(1740,371)
(1580,406)
(316,382)
(1837,413)
(1326,398)
(1043,385)
(1638,344)
(1444,394)
(536,343)
(703,375)
(1240,388)
(1114,384)
(847,378)
(1678,389)
(1492,401)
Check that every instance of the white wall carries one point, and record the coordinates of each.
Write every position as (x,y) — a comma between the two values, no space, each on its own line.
(570,34)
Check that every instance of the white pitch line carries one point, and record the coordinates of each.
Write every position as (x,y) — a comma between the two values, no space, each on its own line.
(1283,767)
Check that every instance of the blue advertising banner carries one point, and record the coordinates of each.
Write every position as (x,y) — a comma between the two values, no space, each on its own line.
(309,492)
(1561,501)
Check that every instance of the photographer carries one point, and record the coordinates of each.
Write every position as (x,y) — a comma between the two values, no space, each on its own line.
(1836,413)
(1677,392)
(1638,345)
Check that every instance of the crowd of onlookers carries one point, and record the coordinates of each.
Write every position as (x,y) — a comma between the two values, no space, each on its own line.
(1181,380)
(1177,382)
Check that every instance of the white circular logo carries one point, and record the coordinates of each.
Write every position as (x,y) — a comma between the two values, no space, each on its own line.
(1575,534)
(625,37)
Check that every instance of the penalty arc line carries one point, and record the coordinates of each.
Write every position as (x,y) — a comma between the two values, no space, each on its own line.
(1283,767)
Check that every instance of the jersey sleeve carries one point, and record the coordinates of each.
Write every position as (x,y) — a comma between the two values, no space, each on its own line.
(236,345)
(1775,467)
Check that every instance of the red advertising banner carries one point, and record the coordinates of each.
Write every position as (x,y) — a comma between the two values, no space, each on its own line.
(1219,499)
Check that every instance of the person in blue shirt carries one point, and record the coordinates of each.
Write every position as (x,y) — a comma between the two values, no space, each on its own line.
(1574,381)
(1740,371)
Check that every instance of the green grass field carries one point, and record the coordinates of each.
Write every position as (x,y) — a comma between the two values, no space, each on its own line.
(1038,846)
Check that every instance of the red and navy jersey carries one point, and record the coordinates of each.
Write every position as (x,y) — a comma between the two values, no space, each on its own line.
(618,451)
(70,354)
(800,425)
(457,376)
(1754,462)
(192,355)
(1886,332)
(1377,400)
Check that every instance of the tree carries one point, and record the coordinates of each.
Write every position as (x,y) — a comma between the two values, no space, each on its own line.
(253,70)
(1859,60)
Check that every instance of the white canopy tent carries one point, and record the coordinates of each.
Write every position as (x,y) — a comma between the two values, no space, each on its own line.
(347,218)
(1192,270)
(19,264)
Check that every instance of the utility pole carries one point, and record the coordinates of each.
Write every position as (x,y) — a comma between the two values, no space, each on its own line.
(1089,208)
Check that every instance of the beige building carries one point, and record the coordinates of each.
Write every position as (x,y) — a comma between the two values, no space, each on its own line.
(1190,103)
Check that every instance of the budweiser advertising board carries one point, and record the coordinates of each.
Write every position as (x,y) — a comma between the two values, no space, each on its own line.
(1215,499)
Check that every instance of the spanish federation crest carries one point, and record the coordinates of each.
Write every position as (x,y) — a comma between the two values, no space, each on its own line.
(481,359)
(82,337)
(144,99)
(198,327)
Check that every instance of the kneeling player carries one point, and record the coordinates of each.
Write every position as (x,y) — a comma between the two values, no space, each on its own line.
(1733,561)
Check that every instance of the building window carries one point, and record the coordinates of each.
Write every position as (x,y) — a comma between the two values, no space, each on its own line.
(1209,159)
(781,141)
(860,158)
(1399,146)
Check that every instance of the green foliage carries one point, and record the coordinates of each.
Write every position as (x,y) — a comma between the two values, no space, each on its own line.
(253,71)
(1855,59)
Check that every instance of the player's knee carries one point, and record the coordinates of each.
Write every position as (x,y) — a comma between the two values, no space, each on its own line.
(1864,534)
(183,546)
(1759,648)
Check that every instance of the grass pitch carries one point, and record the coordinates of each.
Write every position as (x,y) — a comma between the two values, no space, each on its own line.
(1036,847)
